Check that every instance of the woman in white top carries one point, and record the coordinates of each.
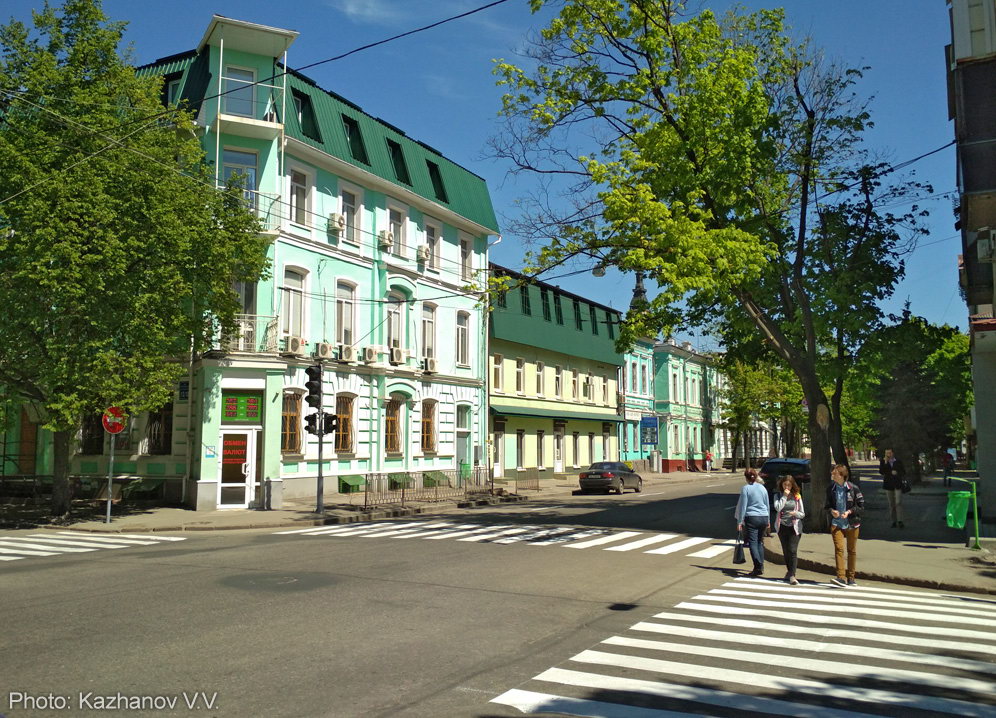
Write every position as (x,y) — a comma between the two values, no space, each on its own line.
(789,514)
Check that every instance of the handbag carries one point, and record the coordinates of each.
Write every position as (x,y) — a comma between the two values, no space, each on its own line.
(738,551)
(905,486)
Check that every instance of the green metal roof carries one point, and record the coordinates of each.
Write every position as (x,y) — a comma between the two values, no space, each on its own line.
(465,192)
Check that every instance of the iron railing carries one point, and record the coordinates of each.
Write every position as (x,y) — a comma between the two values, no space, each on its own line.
(401,487)
(254,334)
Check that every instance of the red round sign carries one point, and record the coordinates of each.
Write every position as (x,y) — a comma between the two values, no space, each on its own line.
(113,420)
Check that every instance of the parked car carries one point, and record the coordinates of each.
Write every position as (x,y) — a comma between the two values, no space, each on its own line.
(773,468)
(610,476)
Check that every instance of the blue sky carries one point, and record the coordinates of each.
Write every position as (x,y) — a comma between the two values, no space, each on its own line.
(438,87)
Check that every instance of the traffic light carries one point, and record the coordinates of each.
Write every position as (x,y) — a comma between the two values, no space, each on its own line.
(331,424)
(314,386)
(311,424)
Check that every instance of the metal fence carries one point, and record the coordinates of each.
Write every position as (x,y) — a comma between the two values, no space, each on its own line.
(401,487)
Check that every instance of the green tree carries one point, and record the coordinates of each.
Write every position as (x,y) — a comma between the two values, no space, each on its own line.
(117,252)
(702,151)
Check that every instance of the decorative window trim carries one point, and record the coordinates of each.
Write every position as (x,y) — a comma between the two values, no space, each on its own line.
(296,446)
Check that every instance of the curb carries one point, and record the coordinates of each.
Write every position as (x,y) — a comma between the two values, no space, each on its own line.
(323,521)
(826,568)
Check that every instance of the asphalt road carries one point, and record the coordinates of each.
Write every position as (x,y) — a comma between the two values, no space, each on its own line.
(437,616)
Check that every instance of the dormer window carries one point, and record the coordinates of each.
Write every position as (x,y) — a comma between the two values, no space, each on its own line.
(398,162)
(305,114)
(354,140)
(436,177)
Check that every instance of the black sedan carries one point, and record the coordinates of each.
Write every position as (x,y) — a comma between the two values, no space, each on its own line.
(798,469)
(610,476)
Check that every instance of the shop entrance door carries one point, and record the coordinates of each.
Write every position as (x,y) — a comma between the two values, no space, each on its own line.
(237,469)
(558,452)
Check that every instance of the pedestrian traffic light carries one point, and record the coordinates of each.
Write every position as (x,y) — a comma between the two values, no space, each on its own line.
(311,424)
(314,386)
(331,424)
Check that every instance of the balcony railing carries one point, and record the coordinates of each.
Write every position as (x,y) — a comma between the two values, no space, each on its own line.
(267,207)
(254,334)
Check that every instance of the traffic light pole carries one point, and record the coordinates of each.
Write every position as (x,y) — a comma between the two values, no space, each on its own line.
(314,399)
(320,507)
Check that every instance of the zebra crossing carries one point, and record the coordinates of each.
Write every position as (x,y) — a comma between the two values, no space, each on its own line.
(502,534)
(765,648)
(60,543)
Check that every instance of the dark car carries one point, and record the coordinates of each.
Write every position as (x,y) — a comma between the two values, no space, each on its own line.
(773,468)
(610,476)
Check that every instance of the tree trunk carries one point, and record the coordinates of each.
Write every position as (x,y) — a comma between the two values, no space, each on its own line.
(61,491)
(736,451)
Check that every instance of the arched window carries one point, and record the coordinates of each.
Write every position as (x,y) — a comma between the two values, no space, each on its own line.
(344,313)
(395,323)
(392,426)
(428,426)
(344,434)
(290,423)
(292,303)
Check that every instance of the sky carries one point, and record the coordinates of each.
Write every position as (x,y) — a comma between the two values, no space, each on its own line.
(438,87)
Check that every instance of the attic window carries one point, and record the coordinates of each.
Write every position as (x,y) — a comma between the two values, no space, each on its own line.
(305,115)
(172,86)
(398,160)
(437,181)
(355,140)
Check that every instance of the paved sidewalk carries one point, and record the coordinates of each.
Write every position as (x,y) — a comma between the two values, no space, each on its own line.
(925,553)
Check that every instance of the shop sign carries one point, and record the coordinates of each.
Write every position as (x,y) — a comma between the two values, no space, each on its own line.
(239,407)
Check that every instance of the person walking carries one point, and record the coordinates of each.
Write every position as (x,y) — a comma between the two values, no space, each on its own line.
(708,460)
(893,472)
(753,513)
(947,464)
(789,514)
(845,502)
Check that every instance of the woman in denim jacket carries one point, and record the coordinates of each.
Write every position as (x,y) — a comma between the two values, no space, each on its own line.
(789,514)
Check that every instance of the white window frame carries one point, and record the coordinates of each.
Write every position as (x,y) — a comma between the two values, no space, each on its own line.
(173,90)
(605,389)
(520,376)
(292,201)
(228,90)
(463,339)
(250,190)
(575,384)
(558,382)
(400,246)
(345,307)
(286,321)
(433,240)
(466,258)
(520,449)
(428,339)
(540,379)
(576,446)
(357,226)
(498,373)
(540,453)
(396,319)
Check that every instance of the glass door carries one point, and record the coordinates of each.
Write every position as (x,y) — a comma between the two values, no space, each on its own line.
(237,470)
(558,452)
(499,455)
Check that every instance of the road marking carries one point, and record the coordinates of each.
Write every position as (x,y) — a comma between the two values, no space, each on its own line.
(632,546)
(25,552)
(714,550)
(19,543)
(746,609)
(140,537)
(533,702)
(569,537)
(535,534)
(712,486)
(777,658)
(858,592)
(418,533)
(454,534)
(386,531)
(105,539)
(680,545)
(504,532)
(605,539)
(72,542)
(739,701)
(817,646)
(757,679)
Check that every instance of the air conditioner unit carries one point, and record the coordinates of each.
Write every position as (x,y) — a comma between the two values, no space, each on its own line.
(370,354)
(385,239)
(337,222)
(347,353)
(422,253)
(397,355)
(430,365)
(294,346)
(323,350)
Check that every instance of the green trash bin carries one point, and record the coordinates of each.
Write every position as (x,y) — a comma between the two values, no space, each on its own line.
(958,508)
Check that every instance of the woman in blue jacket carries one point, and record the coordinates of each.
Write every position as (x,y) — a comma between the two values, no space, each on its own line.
(753,512)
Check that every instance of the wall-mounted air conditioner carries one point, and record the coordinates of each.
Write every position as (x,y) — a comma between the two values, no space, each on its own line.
(430,365)
(347,353)
(294,346)
(337,222)
(385,239)
(422,253)
(323,350)
(370,354)
(397,355)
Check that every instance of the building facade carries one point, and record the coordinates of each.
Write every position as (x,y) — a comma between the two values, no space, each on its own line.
(971,64)
(636,379)
(374,239)
(553,381)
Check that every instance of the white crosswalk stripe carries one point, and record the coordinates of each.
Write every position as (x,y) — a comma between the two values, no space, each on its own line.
(808,657)
(660,544)
(16,547)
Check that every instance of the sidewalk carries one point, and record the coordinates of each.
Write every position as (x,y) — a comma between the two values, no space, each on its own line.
(925,553)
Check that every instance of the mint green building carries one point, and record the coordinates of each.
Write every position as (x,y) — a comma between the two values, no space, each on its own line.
(553,382)
(374,238)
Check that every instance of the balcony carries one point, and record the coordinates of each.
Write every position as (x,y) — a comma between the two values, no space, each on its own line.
(268,207)
(253,334)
